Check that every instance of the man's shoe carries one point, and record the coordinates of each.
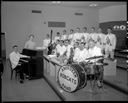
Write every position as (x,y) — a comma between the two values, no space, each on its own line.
(27,77)
(21,81)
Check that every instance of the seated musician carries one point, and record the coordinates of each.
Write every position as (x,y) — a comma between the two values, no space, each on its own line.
(76,45)
(64,35)
(17,62)
(60,49)
(69,46)
(96,51)
(80,53)
(30,44)
(57,37)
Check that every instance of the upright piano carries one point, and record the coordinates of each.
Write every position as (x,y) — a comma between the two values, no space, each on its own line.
(35,63)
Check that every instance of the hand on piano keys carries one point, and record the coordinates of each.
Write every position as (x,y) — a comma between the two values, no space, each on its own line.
(25,59)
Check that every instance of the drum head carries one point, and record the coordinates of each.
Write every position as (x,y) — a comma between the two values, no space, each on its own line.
(68,78)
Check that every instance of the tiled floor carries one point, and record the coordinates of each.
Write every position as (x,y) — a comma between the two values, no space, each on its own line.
(33,90)
(106,94)
(120,79)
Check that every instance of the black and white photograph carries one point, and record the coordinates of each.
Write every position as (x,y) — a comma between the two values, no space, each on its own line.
(64,51)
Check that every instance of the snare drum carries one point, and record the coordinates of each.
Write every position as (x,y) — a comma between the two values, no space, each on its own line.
(72,77)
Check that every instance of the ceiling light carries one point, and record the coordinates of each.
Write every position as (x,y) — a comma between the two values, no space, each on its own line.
(56,2)
(93,5)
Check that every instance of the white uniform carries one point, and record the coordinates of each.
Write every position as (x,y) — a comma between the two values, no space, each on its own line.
(68,48)
(86,36)
(77,36)
(70,36)
(100,40)
(46,43)
(30,44)
(80,55)
(56,38)
(14,58)
(60,49)
(95,51)
(64,37)
(110,40)
(94,36)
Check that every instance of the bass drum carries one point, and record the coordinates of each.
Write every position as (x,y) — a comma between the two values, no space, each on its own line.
(72,77)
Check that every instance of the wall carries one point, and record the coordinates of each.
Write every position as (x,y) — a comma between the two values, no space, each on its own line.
(115,17)
(113,13)
(18,21)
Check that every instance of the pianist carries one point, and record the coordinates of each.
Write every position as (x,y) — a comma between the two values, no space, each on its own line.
(30,44)
(16,62)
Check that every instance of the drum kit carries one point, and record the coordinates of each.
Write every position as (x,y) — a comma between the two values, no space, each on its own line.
(72,77)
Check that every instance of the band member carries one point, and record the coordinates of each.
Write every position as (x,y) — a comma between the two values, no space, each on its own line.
(93,34)
(80,54)
(64,35)
(85,34)
(46,41)
(93,50)
(60,48)
(57,37)
(70,36)
(16,62)
(68,48)
(30,44)
(76,45)
(77,35)
(100,39)
(110,44)
(97,69)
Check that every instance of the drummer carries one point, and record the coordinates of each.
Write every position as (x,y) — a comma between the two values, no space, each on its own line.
(96,51)
(80,53)
(93,50)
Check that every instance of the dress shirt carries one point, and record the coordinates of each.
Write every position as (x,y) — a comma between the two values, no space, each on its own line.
(95,51)
(80,55)
(111,38)
(14,58)
(60,49)
(30,44)
(46,43)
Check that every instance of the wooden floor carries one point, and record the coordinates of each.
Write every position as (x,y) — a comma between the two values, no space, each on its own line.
(31,90)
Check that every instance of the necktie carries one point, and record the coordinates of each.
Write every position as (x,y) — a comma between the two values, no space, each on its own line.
(108,41)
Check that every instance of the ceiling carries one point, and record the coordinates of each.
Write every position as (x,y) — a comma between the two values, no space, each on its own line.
(81,4)
(84,4)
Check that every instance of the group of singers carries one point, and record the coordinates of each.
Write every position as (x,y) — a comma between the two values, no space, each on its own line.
(105,42)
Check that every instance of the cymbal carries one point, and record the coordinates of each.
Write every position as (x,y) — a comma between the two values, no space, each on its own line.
(95,57)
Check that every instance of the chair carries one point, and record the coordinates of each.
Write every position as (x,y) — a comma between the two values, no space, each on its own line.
(12,70)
